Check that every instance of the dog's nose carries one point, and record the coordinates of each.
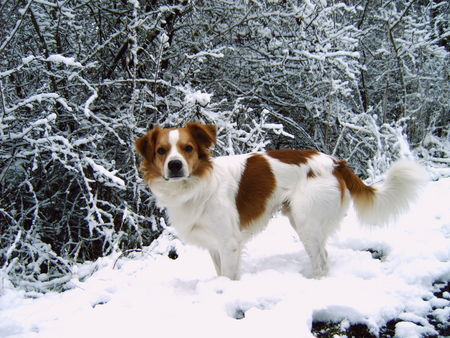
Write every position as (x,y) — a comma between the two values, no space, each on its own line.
(175,166)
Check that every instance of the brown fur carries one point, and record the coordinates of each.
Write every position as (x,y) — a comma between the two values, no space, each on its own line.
(291,156)
(256,187)
(203,136)
(362,194)
(311,174)
(145,146)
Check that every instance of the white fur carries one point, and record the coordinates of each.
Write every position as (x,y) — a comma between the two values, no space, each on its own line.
(203,210)
(174,154)
(204,213)
(401,187)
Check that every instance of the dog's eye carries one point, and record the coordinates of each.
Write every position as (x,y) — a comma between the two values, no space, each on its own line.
(188,148)
(161,151)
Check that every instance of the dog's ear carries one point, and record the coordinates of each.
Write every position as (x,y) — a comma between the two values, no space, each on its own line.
(145,145)
(204,134)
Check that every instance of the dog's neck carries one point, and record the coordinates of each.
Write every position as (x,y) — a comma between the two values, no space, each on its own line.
(182,192)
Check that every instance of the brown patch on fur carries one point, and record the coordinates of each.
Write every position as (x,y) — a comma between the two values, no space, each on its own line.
(255,188)
(311,174)
(291,156)
(192,152)
(361,193)
(341,183)
(146,146)
(203,136)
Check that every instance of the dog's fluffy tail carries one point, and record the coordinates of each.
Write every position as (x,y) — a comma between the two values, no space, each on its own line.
(381,204)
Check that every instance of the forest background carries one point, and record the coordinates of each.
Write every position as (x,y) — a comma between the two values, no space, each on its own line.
(366,81)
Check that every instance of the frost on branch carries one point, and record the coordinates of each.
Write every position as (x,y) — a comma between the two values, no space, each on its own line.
(197,97)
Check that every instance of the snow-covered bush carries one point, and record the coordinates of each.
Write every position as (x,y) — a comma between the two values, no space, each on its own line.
(69,178)
(73,100)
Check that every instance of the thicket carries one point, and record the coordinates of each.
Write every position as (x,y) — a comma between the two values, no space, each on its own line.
(79,80)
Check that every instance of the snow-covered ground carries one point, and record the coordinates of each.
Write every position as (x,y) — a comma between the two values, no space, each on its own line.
(376,275)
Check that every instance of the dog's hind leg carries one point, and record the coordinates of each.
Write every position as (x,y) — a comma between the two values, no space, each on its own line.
(314,244)
(315,212)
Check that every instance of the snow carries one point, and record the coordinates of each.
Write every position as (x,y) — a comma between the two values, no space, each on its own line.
(277,128)
(135,3)
(34,98)
(323,56)
(412,330)
(216,53)
(197,97)
(89,101)
(68,61)
(148,294)
(101,170)
(45,121)
(28,59)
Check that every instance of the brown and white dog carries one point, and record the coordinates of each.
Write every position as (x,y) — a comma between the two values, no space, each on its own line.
(219,203)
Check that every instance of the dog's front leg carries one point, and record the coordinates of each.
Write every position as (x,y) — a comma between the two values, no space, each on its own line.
(230,257)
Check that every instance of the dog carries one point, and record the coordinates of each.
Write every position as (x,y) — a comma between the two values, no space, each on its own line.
(220,203)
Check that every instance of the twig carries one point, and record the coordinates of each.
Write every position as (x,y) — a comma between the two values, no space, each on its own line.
(126,252)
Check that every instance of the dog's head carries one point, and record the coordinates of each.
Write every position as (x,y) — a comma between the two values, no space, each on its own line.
(176,153)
